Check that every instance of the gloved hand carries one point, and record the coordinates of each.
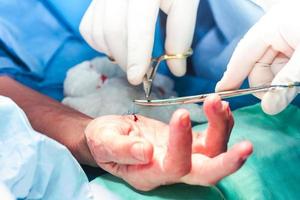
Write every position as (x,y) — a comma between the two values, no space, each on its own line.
(124,30)
(161,154)
(269,54)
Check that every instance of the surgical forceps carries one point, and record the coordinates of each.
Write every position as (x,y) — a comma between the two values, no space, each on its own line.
(223,95)
(155,62)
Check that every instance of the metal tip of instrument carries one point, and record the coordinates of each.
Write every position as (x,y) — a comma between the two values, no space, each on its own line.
(139,102)
(147,84)
(148,102)
(166,102)
(201,98)
(147,92)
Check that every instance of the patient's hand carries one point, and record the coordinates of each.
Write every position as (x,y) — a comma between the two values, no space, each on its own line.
(147,153)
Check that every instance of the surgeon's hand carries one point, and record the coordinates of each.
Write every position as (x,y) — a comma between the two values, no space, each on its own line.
(147,153)
(269,54)
(124,30)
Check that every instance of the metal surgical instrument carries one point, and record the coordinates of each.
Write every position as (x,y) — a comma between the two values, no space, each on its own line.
(155,62)
(223,95)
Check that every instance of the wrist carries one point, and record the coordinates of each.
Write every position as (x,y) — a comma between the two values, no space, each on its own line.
(51,118)
(80,149)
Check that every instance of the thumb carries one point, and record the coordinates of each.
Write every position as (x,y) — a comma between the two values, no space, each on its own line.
(275,101)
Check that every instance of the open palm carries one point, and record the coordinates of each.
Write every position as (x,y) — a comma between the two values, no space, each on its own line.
(168,153)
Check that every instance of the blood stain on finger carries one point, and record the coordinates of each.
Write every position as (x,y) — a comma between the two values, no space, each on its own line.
(135,118)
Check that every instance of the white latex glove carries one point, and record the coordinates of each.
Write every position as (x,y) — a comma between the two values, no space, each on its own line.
(124,30)
(269,54)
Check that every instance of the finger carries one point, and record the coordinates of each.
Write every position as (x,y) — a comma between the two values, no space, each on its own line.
(113,147)
(86,24)
(263,73)
(177,161)
(92,28)
(220,123)
(263,35)
(228,163)
(142,15)
(276,101)
(211,171)
(115,30)
(279,62)
(180,31)
(235,73)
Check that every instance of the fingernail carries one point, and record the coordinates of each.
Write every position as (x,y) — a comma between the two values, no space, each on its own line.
(225,106)
(137,151)
(228,109)
(245,158)
(185,120)
(217,105)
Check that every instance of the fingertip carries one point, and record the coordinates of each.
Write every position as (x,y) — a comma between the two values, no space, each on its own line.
(180,127)
(180,112)
(212,102)
(221,85)
(135,75)
(218,114)
(213,98)
(218,87)
(185,120)
(227,83)
(237,156)
(269,110)
(177,66)
(180,115)
(229,162)
(273,104)
(245,149)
